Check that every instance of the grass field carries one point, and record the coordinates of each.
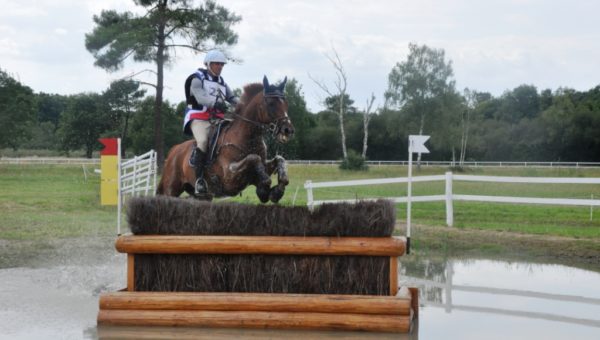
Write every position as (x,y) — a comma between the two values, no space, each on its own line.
(531,219)
(38,202)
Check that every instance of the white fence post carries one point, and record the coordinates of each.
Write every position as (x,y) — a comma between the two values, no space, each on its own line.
(134,178)
(449,206)
(309,194)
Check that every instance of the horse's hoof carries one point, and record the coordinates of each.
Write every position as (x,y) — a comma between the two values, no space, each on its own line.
(276,194)
(263,194)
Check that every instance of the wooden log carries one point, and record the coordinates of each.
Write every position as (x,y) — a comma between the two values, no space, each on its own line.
(269,245)
(353,304)
(130,272)
(245,319)
(393,275)
(414,292)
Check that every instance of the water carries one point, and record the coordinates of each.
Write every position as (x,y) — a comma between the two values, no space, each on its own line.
(56,297)
(489,299)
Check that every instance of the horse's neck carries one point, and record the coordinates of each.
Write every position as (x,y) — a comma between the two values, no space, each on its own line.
(244,133)
(252,111)
(250,124)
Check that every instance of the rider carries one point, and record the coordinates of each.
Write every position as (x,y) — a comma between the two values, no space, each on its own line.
(206,93)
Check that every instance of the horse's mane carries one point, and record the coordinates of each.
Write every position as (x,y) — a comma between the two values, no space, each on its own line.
(250,91)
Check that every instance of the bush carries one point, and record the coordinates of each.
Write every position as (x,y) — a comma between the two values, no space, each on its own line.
(354,162)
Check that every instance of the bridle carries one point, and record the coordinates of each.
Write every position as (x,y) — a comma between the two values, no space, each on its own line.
(274,126)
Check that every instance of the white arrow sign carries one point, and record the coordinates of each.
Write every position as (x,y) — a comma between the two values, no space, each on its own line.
(416,143)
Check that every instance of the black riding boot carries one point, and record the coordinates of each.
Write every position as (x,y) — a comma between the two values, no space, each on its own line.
(198,159)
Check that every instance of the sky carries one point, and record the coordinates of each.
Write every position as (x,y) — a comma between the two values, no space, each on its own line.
(494,45)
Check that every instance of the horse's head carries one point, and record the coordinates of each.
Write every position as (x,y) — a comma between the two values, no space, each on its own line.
(275,111)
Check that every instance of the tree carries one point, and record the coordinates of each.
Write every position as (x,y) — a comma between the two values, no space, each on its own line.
(303,121)
(418,81)
(332,104)
(50,107)
(17,111)
(341,85)
(522,102)
(43,136)
(367,115)
(83,122)
(154,36)
(470,98)
(142,128)
(122,97)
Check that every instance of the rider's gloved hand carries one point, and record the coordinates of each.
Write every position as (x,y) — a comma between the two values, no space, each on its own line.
(220,106)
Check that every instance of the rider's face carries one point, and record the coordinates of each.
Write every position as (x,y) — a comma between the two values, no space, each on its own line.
(216,68)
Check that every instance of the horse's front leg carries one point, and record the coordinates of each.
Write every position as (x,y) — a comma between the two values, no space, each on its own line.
(278,164)
(263,180)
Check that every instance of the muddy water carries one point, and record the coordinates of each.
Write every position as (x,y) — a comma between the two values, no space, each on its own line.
(55,296)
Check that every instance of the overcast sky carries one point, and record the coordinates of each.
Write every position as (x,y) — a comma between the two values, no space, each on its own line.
(494,45)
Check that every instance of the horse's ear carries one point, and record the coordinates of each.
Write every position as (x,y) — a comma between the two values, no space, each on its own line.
(265,83)
(282,85)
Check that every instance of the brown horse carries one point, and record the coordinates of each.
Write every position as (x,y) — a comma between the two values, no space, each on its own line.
(240,152)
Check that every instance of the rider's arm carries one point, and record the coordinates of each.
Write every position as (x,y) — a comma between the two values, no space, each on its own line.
(230,96)
(201,94)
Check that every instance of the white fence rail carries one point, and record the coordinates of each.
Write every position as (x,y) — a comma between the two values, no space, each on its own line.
(137,176)
(449,197)
(85,161)
(471,164)
(49,161)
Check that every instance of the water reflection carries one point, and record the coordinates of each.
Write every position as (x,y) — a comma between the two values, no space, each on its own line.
(460,299)
(511,298)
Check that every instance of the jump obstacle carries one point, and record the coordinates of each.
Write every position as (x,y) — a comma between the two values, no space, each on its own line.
(199,264)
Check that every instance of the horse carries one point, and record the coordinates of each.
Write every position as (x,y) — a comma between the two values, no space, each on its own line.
(239,151)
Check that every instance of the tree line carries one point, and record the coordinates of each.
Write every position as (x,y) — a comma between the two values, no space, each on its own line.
(522,124)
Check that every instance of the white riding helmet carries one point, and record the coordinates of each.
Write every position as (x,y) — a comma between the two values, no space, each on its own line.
(214,56)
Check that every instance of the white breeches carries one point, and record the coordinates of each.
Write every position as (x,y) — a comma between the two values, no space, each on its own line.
(200,130)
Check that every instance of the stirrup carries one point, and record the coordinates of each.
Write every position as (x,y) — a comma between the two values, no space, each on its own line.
(200,187)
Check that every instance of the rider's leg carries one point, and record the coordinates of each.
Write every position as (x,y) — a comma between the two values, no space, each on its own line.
(200,129)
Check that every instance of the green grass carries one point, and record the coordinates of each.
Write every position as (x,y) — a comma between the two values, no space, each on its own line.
(523,218)
(41,201)
(38,202)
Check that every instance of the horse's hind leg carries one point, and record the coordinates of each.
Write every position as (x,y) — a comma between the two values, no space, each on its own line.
(278,164)
(254,162)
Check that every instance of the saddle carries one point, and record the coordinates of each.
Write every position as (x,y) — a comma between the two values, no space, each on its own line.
(213,136)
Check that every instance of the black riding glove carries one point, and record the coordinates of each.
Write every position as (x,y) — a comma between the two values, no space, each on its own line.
(221,107)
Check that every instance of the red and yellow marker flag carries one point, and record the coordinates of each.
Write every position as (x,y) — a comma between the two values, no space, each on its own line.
(109,167)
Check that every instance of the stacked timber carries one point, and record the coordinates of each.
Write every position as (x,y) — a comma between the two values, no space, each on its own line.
(233,265)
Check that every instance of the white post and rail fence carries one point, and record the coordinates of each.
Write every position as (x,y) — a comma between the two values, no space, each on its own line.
(449,197)
(133,177)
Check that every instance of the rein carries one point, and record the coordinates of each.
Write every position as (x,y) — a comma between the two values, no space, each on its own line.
(272,127)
